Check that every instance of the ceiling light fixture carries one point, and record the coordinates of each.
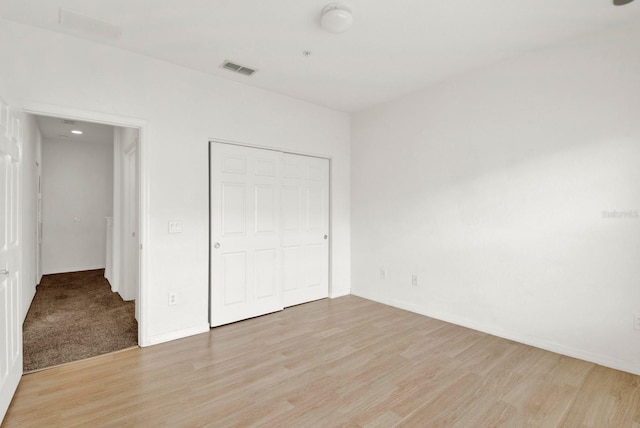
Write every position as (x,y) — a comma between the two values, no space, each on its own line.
(75,131)
(336,18)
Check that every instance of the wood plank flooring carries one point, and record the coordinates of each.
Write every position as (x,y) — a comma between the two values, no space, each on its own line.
(347,362)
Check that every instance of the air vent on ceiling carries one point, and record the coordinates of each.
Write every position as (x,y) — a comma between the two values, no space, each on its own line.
(88,25)
(228,65)
(68,122)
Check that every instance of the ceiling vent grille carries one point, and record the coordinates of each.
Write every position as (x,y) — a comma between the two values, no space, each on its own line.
(228,65)
(85,24)
(68,122)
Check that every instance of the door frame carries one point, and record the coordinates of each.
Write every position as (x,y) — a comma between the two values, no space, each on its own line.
(275,149)
(38,222)
(71,113)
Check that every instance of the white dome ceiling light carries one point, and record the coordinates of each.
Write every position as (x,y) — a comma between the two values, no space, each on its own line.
(336,18)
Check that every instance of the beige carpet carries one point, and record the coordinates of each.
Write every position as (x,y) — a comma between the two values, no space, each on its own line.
(76,316)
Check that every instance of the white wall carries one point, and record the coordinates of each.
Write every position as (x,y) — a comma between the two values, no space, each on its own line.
(77,184)
(491,186)
(31,157)
(183,110)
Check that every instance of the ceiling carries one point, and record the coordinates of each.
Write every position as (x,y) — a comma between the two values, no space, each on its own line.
(394,47)
(58,129)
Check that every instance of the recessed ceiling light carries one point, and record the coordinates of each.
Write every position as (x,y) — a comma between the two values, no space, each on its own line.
(75,131)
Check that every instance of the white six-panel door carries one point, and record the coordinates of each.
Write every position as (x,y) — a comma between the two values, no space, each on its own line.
(269,231)
(305,225)
(10,319)
(245,233)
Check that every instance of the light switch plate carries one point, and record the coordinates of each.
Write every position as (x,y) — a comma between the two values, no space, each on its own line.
(175,227)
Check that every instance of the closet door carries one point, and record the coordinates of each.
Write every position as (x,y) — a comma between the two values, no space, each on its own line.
(305,229)
(245,233)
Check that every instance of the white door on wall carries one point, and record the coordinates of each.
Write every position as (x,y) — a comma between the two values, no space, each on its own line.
(305,229)
(245,233)
(10,319)
(269,231)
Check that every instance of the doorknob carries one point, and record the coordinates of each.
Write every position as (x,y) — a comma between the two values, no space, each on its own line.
(4,272)
(216,245)
(325,236)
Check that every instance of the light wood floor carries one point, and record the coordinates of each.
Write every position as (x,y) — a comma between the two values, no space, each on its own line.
(343,362)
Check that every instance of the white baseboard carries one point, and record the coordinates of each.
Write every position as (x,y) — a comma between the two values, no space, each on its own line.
(339,293)
(174,335)
(580,354)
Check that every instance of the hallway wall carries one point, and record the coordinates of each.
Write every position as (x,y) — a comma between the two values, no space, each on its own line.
(77,196)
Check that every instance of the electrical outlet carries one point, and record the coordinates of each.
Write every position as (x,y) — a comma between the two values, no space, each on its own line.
(383,273)
(172,299)
(414,280)
(636,321)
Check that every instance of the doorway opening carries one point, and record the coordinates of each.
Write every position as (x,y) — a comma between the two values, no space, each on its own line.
(88,301)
